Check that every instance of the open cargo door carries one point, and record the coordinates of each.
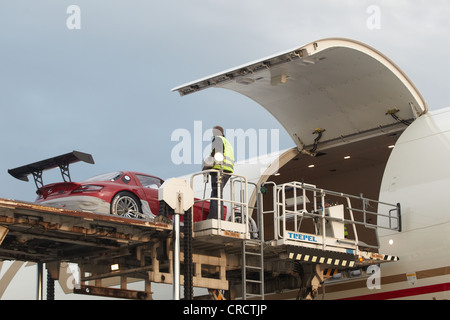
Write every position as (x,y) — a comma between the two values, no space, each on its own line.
(347,102)
(333,91)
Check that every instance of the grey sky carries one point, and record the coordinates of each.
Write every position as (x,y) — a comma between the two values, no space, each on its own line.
(105,89)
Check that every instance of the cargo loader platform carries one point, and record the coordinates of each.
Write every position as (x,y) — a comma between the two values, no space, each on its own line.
(314,236)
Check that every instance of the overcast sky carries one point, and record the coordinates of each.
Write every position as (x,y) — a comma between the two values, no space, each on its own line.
(105,88)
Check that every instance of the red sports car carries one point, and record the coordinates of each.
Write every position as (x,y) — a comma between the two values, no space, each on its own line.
(123,193)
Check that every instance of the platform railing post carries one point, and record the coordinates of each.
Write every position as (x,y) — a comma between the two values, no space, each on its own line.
(40,277)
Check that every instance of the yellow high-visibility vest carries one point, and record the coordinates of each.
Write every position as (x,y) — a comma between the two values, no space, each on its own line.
(228,156)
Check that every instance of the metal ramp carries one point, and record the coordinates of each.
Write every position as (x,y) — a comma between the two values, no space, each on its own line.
(316,233)
(326,230)
(335,219)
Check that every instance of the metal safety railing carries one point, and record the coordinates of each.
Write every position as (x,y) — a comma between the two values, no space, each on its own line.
(235,199)
(294,202)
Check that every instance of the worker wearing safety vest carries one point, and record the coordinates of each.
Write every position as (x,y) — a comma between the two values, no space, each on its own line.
(220,144)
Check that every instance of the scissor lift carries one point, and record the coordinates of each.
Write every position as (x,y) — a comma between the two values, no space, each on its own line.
(324,229)
(316,233)
(237,234)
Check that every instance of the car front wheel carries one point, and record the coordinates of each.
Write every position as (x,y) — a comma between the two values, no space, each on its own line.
(126,204)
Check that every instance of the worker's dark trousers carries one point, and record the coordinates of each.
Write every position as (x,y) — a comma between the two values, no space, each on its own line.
(213,204)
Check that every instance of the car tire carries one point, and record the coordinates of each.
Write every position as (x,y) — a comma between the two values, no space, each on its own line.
(126,204)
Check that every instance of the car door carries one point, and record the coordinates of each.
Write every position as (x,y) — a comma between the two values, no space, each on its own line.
(150,187)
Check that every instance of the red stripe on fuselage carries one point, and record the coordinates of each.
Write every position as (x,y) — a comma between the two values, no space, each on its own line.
(403,293)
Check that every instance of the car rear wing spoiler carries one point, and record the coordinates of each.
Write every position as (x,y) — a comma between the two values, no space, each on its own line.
(62,161)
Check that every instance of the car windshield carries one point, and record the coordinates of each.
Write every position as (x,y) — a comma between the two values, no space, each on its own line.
(110,176)
(149,182)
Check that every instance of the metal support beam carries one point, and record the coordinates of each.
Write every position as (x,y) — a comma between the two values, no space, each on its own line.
(180,197)
(40,277)
(3,232)
(188,265)
(176,257)
(115,293)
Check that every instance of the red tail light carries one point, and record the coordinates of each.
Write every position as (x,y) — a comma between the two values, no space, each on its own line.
(88,188)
